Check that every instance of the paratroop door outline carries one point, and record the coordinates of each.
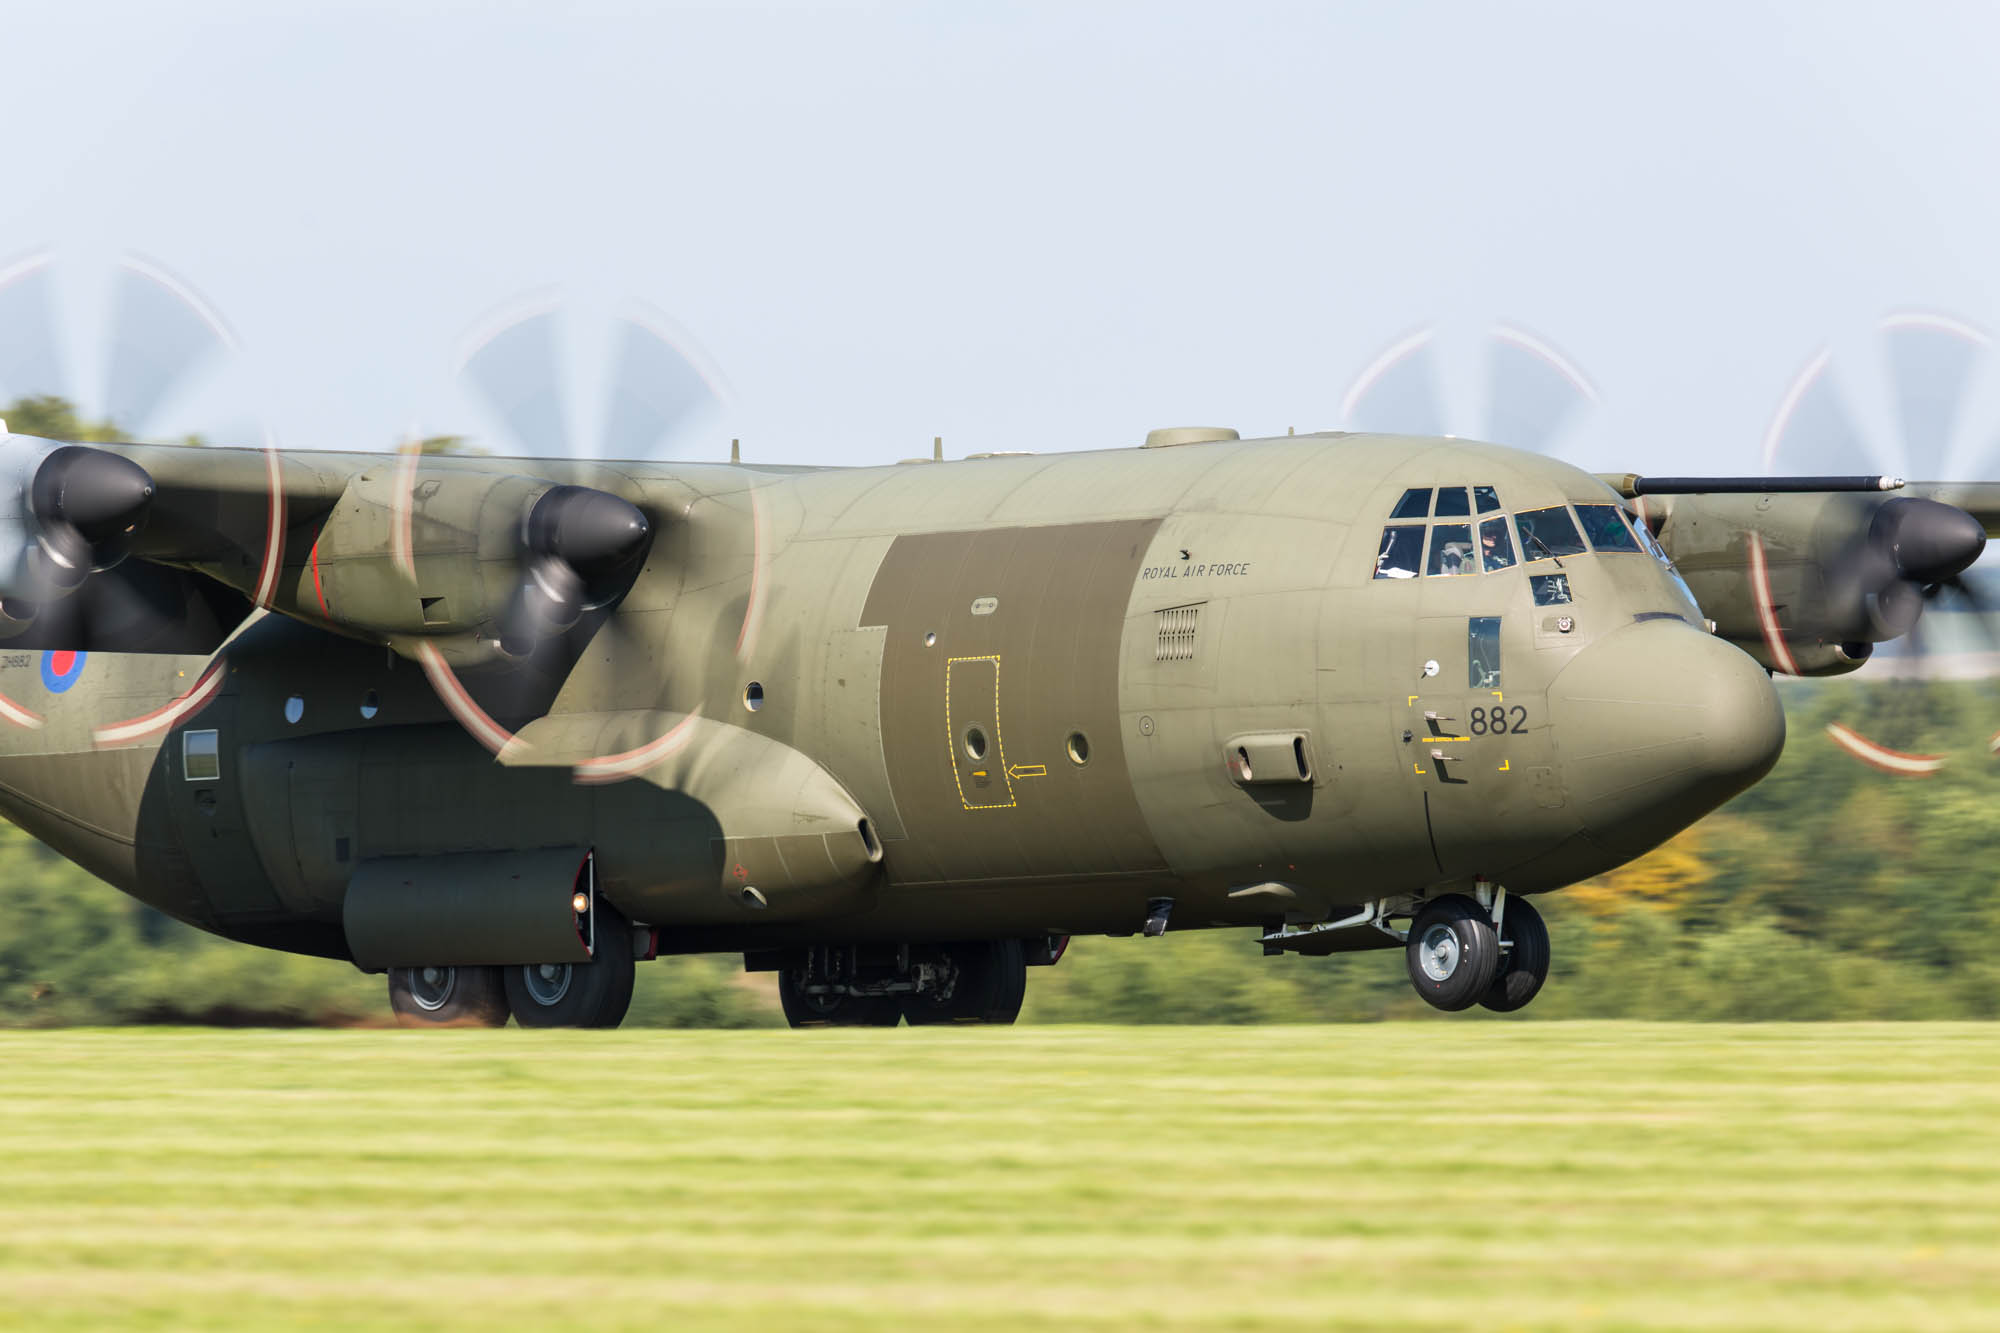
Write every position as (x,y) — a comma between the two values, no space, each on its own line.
(972,730)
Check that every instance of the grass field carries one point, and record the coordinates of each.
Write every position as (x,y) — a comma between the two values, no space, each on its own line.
(1509,1176)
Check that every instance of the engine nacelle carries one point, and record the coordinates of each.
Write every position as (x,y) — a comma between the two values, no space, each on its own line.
(449,554)
(1808,583)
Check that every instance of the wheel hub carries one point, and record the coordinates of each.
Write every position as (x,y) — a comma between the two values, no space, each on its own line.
(546,983)
(1438,953)
(431,987)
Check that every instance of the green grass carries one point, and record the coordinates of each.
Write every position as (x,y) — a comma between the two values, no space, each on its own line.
(1529,1176)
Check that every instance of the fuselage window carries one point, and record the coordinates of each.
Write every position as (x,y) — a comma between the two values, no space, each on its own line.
(1606,528)
(1451,503)
(1548,533)
(201,756)
(1416,503)
(1482,644)
(1495,546)
(1402,549)
(1486,498)
(1451,549)
(1550,589)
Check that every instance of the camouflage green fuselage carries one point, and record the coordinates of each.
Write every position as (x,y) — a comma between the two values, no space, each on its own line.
(1056,687)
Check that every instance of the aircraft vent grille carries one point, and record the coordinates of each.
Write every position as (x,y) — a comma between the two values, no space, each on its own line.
(1178,625)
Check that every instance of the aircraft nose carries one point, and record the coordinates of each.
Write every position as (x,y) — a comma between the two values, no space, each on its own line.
(1657,724)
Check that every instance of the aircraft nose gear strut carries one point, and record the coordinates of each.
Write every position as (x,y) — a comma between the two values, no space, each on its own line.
(1487,948)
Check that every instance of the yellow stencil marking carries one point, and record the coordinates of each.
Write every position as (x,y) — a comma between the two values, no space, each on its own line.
(999,745)
(1503,765)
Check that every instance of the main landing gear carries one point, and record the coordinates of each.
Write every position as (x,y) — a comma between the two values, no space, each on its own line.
(538,995)
(844,986)
(1488,948)
(1458,958)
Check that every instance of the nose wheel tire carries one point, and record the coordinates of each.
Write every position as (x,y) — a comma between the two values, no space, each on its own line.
(1453,953)
(459,997)
(989,979)
(804,1009)
(595,994)
(1525,965)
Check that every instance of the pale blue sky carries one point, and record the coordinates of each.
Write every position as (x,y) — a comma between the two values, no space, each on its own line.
(1021,226)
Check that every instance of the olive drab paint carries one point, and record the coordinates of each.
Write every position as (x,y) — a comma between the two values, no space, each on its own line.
(998,698)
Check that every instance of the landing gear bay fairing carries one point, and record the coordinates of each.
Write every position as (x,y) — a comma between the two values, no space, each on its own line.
(501,728)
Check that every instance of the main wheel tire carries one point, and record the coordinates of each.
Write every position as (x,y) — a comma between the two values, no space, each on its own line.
(1452,952)
(1525,965)
(595,994)
(990,979)
(806,1010)
(448,997)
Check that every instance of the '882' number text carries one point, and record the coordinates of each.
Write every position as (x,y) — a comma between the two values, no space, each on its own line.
(1500,721)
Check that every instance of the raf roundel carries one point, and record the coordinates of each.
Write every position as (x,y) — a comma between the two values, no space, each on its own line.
(60,669)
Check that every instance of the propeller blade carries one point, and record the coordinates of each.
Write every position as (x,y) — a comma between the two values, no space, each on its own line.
(1895,608)
(547,602)
(655,391)
(30,359)
(1533,393)
(1931,362)
(161,338)
(1400,392)
(516,373)
(1816,429)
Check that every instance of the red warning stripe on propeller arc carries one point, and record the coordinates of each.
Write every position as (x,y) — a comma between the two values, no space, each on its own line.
(19,716)
(166,717)
(274,528)
(454,696)
(1767,614)
(1882,757)
(618,767)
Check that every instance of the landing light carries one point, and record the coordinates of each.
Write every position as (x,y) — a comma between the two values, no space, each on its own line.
(579,903)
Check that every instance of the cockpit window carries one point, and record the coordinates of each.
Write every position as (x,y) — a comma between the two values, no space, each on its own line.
(1548,533)
(1495,546)
(1486,498)
(1451,502)
(1416,503)
(1606,528)
(1550,589)
(1402,549)
(1451,549)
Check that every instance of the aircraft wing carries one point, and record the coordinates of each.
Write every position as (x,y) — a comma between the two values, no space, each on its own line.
(164,548)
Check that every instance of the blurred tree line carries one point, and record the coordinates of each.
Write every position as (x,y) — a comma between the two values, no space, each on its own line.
(1829,891)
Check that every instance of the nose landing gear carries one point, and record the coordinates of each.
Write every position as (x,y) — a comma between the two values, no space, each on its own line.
(1458,958)
(1453,952)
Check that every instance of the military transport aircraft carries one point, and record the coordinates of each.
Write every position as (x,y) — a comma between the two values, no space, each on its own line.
(500,727)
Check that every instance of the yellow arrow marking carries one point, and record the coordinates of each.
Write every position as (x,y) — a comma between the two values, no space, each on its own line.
(1027,771)
(1412,703)
(1503,765)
